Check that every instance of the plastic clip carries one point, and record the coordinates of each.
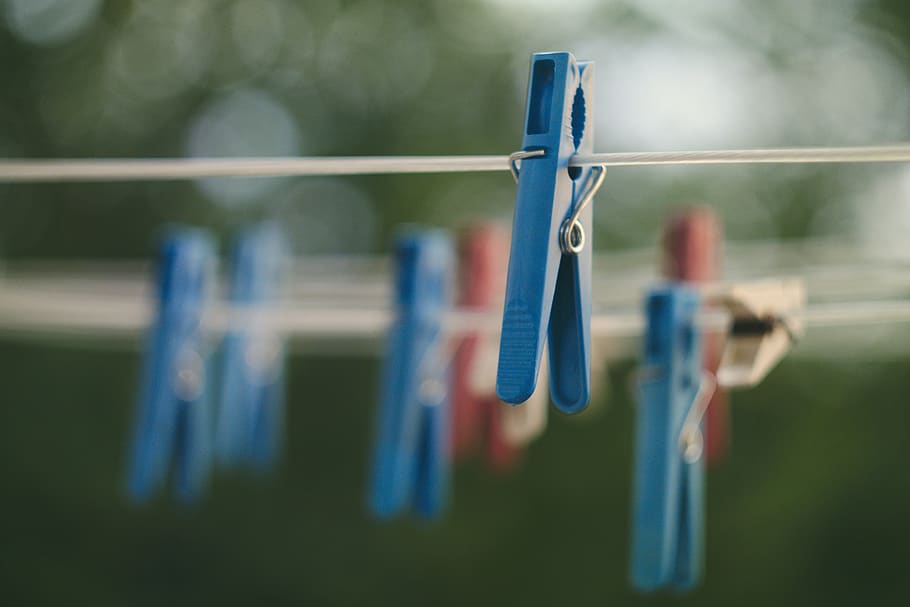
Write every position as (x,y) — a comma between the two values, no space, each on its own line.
(767,321)
(692,241)
(173,416)
(411,454)
(251,414)
(477,412)
(548,293)
(668,507)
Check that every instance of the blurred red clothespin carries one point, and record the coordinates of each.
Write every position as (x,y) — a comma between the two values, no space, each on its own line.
(479,416)
(692,243)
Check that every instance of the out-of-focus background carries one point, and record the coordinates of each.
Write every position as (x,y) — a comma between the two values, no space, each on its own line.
(810,507)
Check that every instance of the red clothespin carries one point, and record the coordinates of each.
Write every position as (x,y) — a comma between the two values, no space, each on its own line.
(691,252)
(478,413)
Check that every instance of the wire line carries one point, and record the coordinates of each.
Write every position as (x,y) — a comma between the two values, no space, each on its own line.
(86,313)
(158,169)
(885,153)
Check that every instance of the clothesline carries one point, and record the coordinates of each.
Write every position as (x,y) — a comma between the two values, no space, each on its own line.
(90,313)
(156,169)
(619,277)
(613,291)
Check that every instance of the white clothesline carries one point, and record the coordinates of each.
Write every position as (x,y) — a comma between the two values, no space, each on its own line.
(156,169)
(90,313)
(619,277)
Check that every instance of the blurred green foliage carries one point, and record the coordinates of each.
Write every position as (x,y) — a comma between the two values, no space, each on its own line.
(810,508)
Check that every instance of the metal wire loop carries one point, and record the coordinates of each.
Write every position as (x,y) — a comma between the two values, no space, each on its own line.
(572,233)
(514,157)
(691,438)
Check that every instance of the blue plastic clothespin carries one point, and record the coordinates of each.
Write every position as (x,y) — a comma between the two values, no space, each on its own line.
(411,453)
(668,508)
(251,412)
(173,418)
(548,293)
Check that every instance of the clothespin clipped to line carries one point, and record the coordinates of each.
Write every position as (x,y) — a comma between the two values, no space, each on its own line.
(767,320)
(691,242)
(251,413)
(411,457)
(668,506)
(674,392)
(478,414)
(548,293)
(173,415)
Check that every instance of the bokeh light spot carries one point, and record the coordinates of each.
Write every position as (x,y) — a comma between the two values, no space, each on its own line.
(47,22)
(243,122)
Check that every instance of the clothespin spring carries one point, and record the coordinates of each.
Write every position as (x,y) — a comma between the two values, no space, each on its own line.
(691,439)
(571,234)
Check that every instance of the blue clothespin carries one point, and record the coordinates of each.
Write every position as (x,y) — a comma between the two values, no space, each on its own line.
(668,509)
(251,413)
(411,453)
(173,417)
(548,293)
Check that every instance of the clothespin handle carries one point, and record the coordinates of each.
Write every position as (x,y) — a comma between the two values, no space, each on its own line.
(250,418)
(483,251)
(173,414)
(668,505)
(411,452)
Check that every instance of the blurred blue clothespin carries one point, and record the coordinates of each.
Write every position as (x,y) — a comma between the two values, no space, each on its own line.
(548,293)
(668,508)
(411,453)
(173,417)
(251,412)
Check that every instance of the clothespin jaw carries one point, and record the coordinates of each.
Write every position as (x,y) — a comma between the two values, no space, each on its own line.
(767,321)
(251,415)
(411,453)
(692,241)
(548,293)
(668,508)
(173,417)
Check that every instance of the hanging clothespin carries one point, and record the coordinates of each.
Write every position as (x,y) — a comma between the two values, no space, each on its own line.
(251,414)
(692,242)
(767,319)
(479,270)
(478,414)
(668,507)
(173,418)
(548,294)
(411,453)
